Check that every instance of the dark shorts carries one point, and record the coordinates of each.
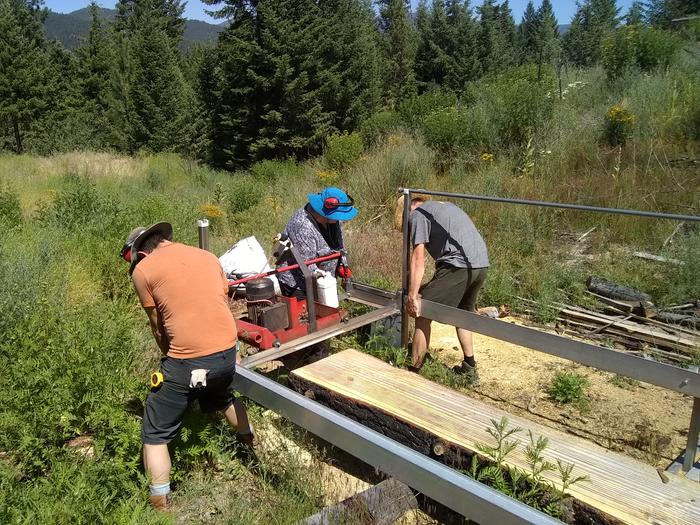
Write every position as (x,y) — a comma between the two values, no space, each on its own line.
(458,287)
(166,405)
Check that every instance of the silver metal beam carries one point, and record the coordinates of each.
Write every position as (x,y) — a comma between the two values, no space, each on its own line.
(545,204)
(203,233)
(660,374)
(405,262)
(477,502)
(318,336)
(371,296)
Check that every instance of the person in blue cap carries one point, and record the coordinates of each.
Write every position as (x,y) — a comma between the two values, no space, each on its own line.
(315,231)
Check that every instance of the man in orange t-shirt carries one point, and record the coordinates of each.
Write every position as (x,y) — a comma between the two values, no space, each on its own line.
(184,292)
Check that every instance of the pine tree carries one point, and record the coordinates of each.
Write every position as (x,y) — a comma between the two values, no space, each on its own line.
(496,40)
(95,59)
(635,15)
(399,40)
(152,104)
(548,32)
(661,12)
(593,20)
(433,61)
(461,44)
(529,35)
(25,82)
(350,75)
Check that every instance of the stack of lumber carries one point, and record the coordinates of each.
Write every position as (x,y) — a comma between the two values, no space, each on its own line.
(630,319)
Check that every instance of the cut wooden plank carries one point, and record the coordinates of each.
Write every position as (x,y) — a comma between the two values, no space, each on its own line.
(417,411)
(381,504)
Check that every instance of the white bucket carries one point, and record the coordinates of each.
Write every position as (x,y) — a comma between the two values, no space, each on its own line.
(327,290)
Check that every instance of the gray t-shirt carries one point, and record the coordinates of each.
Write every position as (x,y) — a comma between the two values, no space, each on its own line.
(449,235)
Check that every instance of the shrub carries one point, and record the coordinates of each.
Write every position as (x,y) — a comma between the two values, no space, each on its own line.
(271,170)
(519,103)
(644,47)
(568,387)
(655,48)
(618,125)
(374,128)
(449,130)
(10,208)
(414,110)
(342,150)
(214,214)
(77,203)
(244,195)
(618,51)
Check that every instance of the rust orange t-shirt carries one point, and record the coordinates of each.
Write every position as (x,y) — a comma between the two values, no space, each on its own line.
(189,288)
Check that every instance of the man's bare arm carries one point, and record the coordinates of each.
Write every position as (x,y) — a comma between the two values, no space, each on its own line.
(415,277)
(158,329)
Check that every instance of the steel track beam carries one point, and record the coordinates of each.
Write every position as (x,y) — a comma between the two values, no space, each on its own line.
(671,377)
(318,336)
(477,502)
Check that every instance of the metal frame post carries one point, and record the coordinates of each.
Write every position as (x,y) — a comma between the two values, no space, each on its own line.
(203,228)
(309,283)
(405,270)
(691,447)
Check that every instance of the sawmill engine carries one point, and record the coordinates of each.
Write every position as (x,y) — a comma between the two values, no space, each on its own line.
(264,308)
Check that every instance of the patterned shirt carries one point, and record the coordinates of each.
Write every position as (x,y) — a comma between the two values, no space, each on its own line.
(312,240)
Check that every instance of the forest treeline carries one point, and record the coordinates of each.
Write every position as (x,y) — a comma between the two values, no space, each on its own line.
(286,74)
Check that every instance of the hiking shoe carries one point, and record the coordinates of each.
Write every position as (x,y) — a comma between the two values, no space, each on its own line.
(470,373)
(162,503)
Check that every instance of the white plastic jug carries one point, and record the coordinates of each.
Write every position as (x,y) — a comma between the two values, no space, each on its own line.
(327,290)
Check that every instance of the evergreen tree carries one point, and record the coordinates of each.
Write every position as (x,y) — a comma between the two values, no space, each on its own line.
(548,32)
(25,82)
(152,102)
(496,40)
(399,40)
(529,35)
(95,59)
(593,20)
(461,44)
(661,12)
(350,57)
(433,61)
(635,15)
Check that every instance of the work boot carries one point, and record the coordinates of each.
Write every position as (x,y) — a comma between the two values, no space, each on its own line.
(162,503)
(470,373)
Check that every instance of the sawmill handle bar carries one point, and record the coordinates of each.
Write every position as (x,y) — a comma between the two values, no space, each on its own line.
(330,257)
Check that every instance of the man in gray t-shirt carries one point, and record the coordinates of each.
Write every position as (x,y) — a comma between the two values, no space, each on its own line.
(461,263)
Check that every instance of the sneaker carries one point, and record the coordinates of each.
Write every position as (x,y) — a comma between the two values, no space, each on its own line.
(162,503)
(470,373)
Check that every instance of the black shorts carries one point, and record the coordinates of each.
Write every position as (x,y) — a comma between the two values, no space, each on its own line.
(457,287)
(166,405)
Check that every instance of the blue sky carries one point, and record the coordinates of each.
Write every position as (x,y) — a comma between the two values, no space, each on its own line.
(564,9)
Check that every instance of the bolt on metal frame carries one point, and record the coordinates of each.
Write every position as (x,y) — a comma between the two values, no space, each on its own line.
(660,374)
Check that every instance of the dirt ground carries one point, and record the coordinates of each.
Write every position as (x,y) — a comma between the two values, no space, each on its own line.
(641,420)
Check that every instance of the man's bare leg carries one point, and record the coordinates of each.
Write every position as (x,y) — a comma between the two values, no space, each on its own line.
(421,341)
(466,341)
(156,460)
(237,417)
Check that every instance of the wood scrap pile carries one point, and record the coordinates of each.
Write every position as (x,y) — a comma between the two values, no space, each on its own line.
(629,318)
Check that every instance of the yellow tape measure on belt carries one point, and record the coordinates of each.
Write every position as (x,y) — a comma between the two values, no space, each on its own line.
(156,379)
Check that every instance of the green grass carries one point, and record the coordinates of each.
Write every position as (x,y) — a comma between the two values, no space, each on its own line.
(569,388)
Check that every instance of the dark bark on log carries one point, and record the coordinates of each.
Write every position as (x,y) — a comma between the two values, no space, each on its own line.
(681,319)
(381,504)
(615,291)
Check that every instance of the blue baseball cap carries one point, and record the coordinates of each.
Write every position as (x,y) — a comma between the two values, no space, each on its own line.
(334,204)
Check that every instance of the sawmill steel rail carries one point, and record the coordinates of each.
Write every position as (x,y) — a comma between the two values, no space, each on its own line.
(456,491)
(560,205)
(666,376)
